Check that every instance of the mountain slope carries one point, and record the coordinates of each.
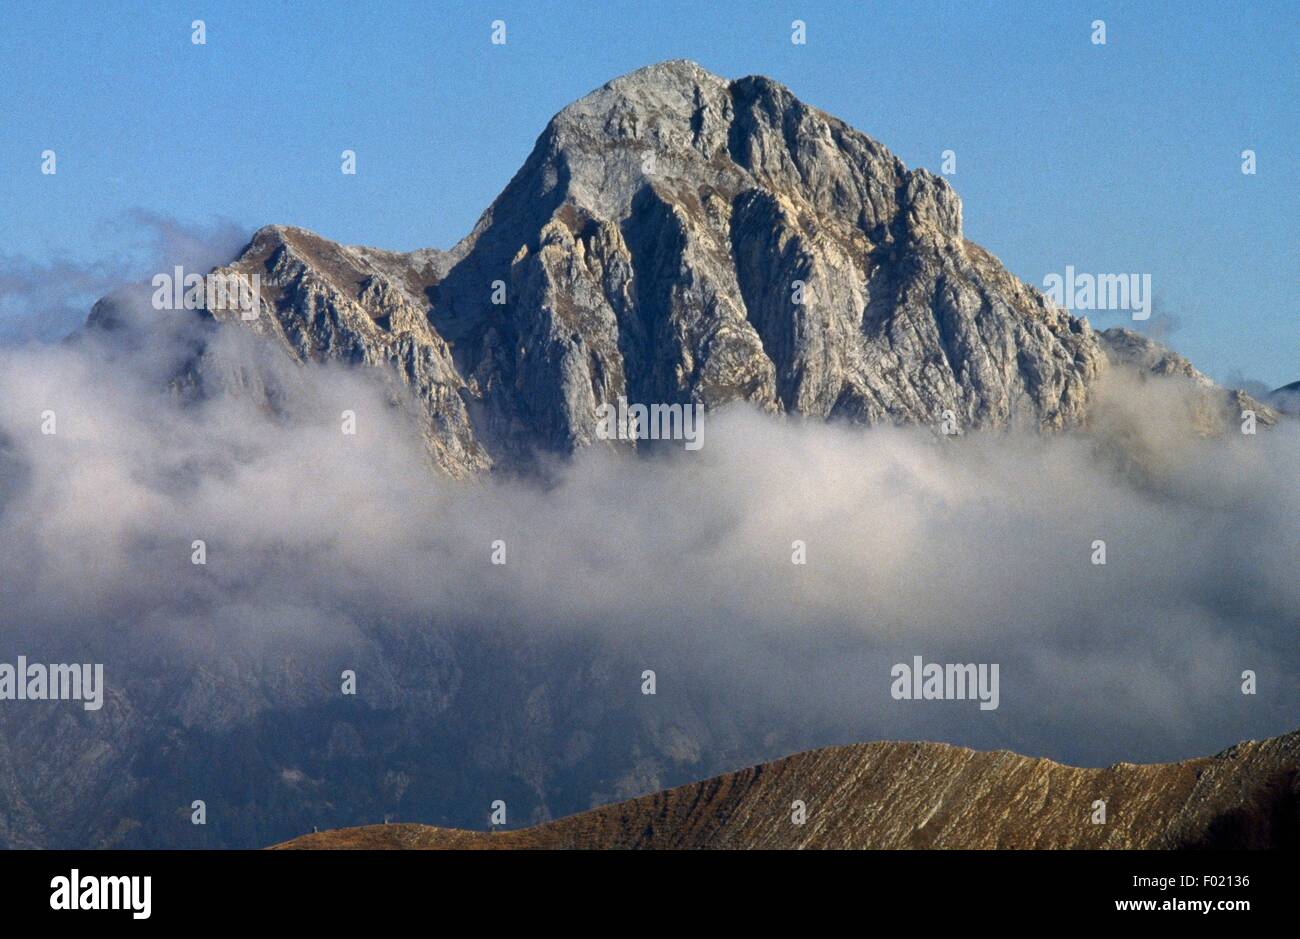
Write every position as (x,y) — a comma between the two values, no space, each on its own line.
(924,795)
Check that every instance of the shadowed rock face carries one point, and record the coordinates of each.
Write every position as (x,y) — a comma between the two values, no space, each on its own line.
(1286,399)
(924,795)
(677,237)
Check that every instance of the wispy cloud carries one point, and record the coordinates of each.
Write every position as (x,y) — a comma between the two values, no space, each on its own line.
(48,298)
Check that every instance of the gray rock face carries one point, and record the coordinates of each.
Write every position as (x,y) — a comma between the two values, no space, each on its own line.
(676,237)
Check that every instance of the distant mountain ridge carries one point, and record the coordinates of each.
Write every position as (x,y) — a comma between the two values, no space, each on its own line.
(678,237)
(923,795)
(1285,399)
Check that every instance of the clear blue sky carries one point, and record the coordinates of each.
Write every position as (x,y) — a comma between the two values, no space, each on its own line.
(1115,158)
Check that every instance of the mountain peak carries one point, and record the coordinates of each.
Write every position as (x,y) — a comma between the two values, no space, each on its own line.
(677,237)
(670,71)
(680,130)
(630,106)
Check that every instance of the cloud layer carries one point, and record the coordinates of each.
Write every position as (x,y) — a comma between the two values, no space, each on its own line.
(977,549)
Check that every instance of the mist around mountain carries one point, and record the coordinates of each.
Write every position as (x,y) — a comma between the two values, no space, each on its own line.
(941,445)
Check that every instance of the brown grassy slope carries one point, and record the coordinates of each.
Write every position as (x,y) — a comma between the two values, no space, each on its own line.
(923,795)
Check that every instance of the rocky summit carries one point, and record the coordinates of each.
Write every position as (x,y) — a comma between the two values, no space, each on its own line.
(676,237)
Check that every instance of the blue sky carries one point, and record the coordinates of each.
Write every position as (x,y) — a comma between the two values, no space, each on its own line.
(1115,158)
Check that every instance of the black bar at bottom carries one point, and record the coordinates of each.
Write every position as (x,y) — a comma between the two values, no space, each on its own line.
(334,888)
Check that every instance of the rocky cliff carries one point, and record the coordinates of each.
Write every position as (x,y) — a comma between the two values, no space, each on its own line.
(678,237)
